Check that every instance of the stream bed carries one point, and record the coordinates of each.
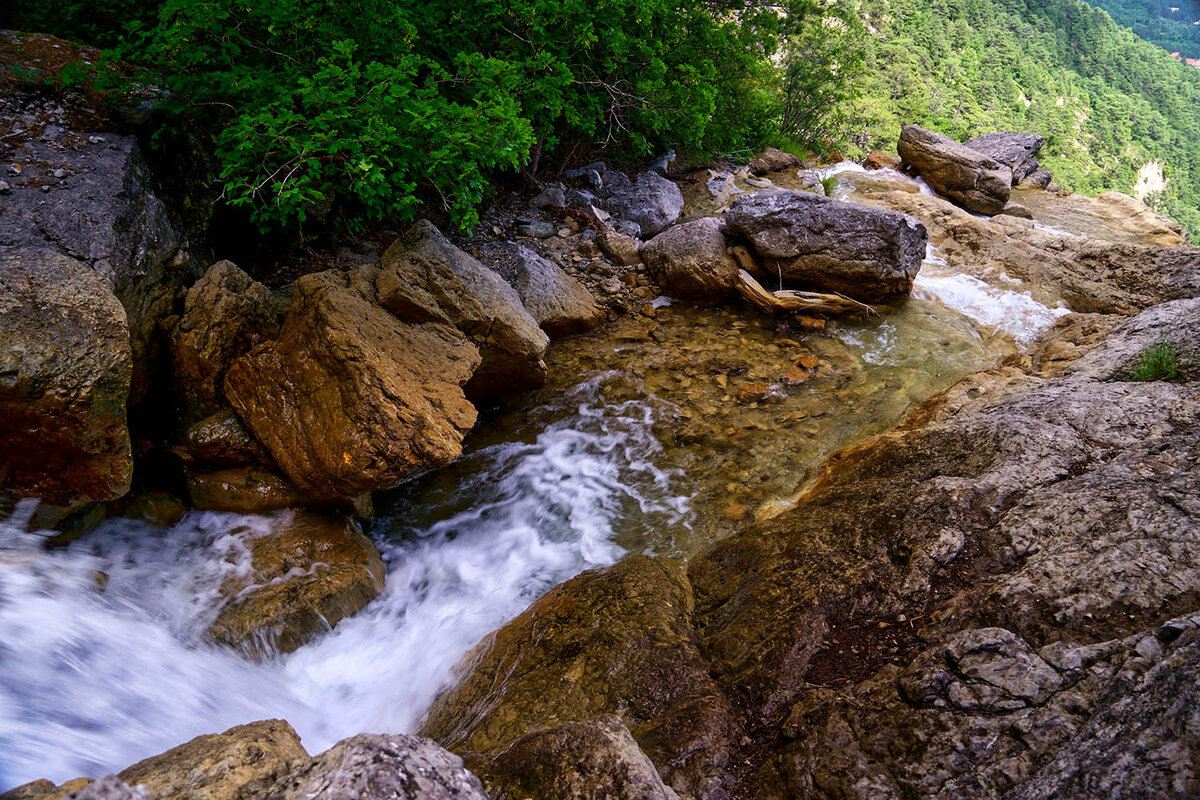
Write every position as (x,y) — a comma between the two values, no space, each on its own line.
(656,435)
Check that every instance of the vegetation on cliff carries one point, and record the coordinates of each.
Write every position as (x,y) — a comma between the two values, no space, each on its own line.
(1173,25)
(1106,101)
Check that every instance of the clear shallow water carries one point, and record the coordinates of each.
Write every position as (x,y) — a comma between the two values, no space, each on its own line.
(657,435)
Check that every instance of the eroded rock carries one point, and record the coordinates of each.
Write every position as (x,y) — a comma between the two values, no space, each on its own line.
(1016,151)
(652,203)
(831,245)
(968,177)
(559,303)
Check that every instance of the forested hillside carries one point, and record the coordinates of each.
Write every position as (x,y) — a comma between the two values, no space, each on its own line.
(1107,102)
(1171,24)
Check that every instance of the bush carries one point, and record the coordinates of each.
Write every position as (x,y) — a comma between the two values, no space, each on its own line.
(323,108)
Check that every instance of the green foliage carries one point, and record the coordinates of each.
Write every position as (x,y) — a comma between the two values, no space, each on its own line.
(1170,24)
(335,108)
(1160,361)
(1106,102)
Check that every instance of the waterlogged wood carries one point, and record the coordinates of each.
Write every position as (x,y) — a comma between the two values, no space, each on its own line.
(796,302)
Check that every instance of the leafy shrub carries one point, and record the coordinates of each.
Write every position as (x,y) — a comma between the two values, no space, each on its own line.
(338,108)
(1160,361)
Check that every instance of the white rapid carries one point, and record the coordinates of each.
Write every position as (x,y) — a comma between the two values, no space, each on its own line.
(92,681)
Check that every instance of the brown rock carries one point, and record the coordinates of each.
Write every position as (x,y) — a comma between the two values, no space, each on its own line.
(691,262)
(622,249)
(221,440)
(425,278)
(217,766)
(311,572)
(879,160)
(609,640)
(350,399)
(225,314)
(43,789)
(593,759)
(773,160)
(242,490)
(65,369)
(955,171)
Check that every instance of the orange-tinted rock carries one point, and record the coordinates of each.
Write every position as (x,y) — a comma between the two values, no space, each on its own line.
(242,490)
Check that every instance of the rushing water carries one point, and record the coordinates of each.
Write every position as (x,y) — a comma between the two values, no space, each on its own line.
(659,434)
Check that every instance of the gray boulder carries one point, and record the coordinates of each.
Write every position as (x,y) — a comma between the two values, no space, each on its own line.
(968,177)
(371,767)
(652,202)
(65,370)
(423,277)
(559,303)
(1038,179)
(831,245)
(104,214)
(1014,150)
(690,261)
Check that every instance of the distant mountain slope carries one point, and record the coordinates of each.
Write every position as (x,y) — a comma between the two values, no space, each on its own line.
(1108,103)
(1173,25)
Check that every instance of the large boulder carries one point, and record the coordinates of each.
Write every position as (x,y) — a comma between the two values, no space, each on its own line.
(773,160)
(65,369)
(220,441)
(370,767)
(423,278)
(224,314)
(1090,275)
(242,490)
(968,177)
(1014,150)
(559,303)
(216,766)
(831,245)
(308,574)
(104,213)
(690,261)
(350,399)
(652,203)
(614,640)
(594,759)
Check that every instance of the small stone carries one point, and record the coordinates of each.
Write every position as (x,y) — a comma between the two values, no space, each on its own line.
(796,374)
(45,189)
(14,169)
(734,511)
(811,323)
(5,188)
(754,392)
(60,173)
(808,361)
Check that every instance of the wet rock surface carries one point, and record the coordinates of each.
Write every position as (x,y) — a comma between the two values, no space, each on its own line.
(830,245)
(966,176)
(610,640)
(308,574)
(65,370)
(350,399)
(242,490)
(594,759)
(424,278)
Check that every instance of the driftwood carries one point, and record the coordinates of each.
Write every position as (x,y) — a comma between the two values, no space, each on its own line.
(793,302)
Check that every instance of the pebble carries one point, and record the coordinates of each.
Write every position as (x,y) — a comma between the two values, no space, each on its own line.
(5,188)
(60,173)
(14,169)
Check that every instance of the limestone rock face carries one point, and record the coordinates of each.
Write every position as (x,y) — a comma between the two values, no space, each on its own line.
(424,278)
(65,368)
(968,177)
(652,202)
(557,302)
(831,245)
(1014,150)
(609,640)
(690,261)
(216,766)
(1091,275)
(350,399)
(110,220)
(369,767)
(311,572)
(594,759)
(225,314)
